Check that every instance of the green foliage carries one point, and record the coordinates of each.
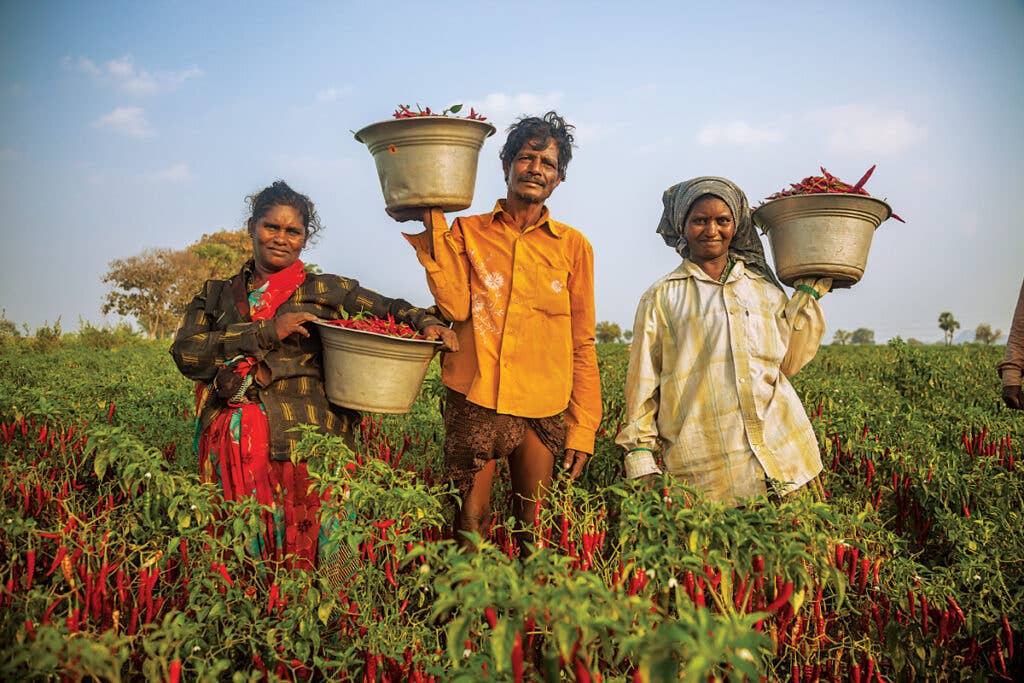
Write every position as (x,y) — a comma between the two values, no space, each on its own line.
(8,329)
(607,333)
(47,337)
(984,334)
(924,507)
(107,337)
(862,335)
(842,337)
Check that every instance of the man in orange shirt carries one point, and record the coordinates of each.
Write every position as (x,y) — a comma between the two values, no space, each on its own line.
(519,288)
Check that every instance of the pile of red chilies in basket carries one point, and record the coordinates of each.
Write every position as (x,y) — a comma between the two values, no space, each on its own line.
(404,111)
(826,183)
(386,326)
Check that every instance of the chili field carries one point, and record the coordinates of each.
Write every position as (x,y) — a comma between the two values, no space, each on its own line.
(116,563)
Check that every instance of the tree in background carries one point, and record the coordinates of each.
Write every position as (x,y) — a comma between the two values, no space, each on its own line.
(862,335)
(157,285)
(842,337)
(984,334)
(949,325)
(627,335)
(153,287)
(222,253)
(7,328)
(607,333)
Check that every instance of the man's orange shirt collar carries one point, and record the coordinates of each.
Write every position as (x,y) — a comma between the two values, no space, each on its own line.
(554,227)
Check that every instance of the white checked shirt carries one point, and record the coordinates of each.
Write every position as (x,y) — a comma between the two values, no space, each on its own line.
(707,384)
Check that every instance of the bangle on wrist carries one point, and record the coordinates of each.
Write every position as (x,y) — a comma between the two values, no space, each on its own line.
(810,290)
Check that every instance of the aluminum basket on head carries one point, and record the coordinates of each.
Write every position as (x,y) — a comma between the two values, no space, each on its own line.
(426,160)
(821,235)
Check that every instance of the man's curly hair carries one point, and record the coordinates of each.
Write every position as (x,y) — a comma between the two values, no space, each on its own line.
(543,129)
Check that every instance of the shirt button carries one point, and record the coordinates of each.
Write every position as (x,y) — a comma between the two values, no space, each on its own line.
(742,379)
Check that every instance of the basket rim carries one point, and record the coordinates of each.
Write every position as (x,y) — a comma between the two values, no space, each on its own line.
(404,121)
(324,323)
(809,195)
(816,196)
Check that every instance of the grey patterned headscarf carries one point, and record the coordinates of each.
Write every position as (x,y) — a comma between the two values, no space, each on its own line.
(745,246)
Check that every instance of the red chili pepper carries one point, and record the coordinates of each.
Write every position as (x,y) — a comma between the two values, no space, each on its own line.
(174,675)
(864,179)
(865,566)
(955,606)
(30,568)
(492,617)
(223,571)
(61,553)
(1009,634)
(781,598)
(122,593)
(582,674)
(275,590)
(389,574)
(49,611)
(517,658)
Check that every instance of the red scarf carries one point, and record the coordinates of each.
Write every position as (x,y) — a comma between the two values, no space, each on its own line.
(279,288)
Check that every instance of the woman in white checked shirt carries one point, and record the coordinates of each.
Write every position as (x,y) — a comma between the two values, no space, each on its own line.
(714,343)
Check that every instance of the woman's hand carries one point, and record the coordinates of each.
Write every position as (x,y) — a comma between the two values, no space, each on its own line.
(445,334)
(801,297)
(287,324)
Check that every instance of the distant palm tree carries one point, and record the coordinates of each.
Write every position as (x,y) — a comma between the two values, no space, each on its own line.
(949,325)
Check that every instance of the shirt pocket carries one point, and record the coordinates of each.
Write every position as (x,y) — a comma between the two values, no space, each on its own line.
(551,290)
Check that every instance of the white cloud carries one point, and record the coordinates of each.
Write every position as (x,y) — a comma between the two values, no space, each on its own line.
(127,121)
(82,64)
(123,73)
(504,108)
(736,133)
(178,173)
(865,129)
(332,93)
(589,132)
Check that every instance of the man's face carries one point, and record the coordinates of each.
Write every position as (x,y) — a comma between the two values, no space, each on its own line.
(532,175)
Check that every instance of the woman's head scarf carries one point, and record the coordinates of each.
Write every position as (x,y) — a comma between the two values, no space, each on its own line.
(745,246)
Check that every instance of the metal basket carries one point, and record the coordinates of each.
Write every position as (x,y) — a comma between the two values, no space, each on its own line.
(426,160)
(821,235)
(373,372)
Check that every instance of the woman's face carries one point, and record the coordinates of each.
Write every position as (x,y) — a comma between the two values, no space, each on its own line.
(709,229)
(278,238)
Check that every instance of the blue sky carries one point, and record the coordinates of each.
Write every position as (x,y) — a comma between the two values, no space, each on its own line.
(133,125)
